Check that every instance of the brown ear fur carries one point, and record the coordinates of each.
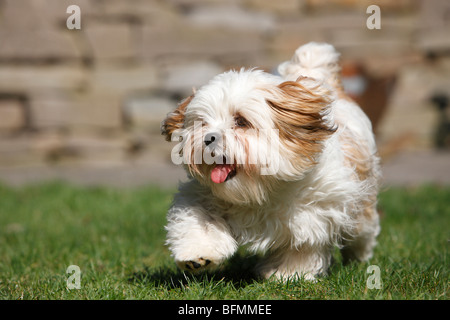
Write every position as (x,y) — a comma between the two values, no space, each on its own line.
(299,112)
(175,119)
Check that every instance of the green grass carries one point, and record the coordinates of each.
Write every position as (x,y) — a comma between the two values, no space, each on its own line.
(116,237)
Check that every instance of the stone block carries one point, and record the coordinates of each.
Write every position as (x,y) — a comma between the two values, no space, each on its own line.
(50,110)
(98,109)
(63,109)
(37,45)
(26,78)
(361,43)
(25,35)
(284,8)
(147,111)
(181,41)
(289,34)
(434,40)
(18,151)
(136,10)
(12,115)
(433,15)
(230,17)
(181,79)
(47,143)
(111,40)
(92,149)
(125,79)
(294,31)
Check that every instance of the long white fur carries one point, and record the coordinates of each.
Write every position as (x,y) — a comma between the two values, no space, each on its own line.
(295,219)
(315,60)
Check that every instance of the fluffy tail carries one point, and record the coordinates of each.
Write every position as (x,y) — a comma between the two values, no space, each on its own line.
(314,60)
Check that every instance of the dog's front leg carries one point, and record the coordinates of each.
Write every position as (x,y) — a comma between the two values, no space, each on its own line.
(198,240)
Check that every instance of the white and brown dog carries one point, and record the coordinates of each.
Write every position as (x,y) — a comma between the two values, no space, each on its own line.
(284,165)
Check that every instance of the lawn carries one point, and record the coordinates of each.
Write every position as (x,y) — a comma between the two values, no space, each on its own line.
(116,238)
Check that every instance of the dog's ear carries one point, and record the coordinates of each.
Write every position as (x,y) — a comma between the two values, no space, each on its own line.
(299,112)
(175,119)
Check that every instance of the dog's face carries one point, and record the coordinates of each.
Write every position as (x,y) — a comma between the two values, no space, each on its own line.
(245,132)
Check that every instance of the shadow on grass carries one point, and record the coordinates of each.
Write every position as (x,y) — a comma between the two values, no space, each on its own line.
(239,271)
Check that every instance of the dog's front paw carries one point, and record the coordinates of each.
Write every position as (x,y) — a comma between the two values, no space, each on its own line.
(195,265)
(199,246)
(199,257)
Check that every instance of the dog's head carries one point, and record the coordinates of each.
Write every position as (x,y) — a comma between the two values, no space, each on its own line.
(246,131)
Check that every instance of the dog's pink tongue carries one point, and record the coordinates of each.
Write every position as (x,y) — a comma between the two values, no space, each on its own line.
(220,173)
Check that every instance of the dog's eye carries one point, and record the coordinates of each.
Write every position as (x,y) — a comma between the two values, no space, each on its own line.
(241,122)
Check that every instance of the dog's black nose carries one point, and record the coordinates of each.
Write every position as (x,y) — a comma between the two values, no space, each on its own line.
(211,137)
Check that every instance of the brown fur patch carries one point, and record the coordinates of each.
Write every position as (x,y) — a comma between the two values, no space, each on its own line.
(358,157)
(299,116)
(175,119)
(250,166)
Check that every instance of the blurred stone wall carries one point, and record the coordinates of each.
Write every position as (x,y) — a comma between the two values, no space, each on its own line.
(97,95)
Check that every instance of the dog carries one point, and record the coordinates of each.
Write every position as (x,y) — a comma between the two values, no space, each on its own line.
(285,165)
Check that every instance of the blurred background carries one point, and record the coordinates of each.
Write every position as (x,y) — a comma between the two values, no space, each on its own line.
(86,105)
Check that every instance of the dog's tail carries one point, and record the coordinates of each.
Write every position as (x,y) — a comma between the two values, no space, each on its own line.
(314,60)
